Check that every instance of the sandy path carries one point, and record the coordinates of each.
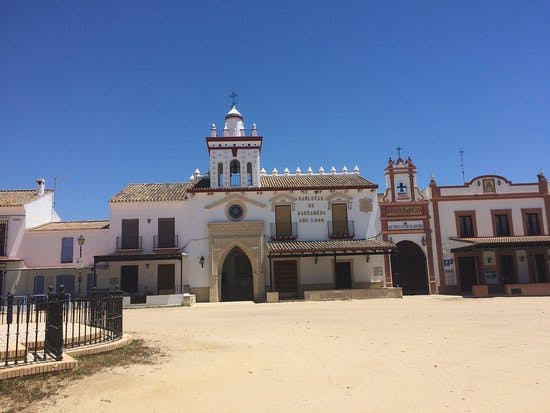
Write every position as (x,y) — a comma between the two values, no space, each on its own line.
(419,354)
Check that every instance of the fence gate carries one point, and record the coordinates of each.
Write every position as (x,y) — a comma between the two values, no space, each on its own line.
(53,344)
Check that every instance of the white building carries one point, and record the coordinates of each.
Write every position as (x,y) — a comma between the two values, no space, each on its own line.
(488,234)
(491,232)
(36,250)
(236,231)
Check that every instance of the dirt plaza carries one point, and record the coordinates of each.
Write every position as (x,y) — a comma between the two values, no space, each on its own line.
(416,354)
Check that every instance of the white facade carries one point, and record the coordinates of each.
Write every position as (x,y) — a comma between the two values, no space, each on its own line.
(237,232)
(500,255)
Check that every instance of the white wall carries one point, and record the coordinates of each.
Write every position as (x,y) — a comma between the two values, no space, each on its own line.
(43,248)
(40,211)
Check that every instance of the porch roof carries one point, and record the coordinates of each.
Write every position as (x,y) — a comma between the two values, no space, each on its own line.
(140,257)
(490,243)
(328,247)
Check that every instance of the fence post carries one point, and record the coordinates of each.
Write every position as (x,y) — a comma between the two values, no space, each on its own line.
(9,313)
(54,325)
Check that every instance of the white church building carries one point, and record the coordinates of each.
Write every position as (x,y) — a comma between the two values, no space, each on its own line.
(235,232)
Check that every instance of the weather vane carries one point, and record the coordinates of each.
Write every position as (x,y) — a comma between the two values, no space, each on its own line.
(398,149)
(233,97)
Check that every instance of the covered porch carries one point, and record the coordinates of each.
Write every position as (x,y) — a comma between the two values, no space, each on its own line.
(328,269)
(142,275)
(500,264)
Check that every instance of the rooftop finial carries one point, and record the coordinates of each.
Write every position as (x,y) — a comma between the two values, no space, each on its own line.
(399,149)
(233,95)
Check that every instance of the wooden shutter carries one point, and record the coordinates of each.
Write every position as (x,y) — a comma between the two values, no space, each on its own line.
(283,221)
(166,233)
(130,233)
(339,219)
(3,226)
(67,250)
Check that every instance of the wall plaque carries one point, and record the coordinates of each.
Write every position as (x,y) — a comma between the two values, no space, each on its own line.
(365,205)
(405,210)
(399,225)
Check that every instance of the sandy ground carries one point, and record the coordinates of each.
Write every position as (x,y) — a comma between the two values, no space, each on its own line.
(418,354)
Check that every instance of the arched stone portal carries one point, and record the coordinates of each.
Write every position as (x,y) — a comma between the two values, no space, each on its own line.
(236,278)
(231,245)
(408,265)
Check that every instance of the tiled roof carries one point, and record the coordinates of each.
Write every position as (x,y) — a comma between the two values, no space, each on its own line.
(502,242)
(72,225)
(305,181)
(328,247)
(152,192)
(18,197)
(315,181)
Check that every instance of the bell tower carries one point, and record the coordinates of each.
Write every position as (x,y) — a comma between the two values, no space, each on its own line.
(234,153)
(401,180)
(405,219)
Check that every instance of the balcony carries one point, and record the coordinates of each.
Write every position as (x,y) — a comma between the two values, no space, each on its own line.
(284,231)
(224,133)
(341,229)
(164,243)
(129,243)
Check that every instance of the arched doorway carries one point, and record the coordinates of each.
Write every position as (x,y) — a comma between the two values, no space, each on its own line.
(236,279)
(408,265)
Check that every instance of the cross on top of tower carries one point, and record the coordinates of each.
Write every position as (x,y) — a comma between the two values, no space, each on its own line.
(233,95)
(399,149)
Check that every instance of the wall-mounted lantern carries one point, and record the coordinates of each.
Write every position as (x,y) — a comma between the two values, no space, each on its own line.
(201,261)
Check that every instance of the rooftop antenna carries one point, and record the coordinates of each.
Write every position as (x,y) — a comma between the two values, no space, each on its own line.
(461,153)
(57,178)
(233,95)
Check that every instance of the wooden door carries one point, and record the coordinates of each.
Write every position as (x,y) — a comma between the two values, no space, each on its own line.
(283,221)
(343,275)
(507,271)
(408,264)
(129,278)
(286,277)
(467,270)
(166,279)
(541,275)
(339,219)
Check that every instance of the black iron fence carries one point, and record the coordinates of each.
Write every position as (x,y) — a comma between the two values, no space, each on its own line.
(129,243)
(38,328)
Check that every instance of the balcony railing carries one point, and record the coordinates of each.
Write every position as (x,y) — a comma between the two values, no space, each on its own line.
(133,243)
(284,231)
(220,133)
(160,242)
(341,229)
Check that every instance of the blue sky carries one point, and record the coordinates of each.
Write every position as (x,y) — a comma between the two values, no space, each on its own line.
(104,93)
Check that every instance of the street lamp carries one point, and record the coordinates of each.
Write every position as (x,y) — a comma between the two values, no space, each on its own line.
(80,240)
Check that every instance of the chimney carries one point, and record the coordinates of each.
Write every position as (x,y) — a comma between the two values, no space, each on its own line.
(40,185)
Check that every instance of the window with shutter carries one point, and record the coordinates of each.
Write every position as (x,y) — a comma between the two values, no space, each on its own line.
(67,250)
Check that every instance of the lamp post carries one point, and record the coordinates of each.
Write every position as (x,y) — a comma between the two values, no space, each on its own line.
(80,240)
